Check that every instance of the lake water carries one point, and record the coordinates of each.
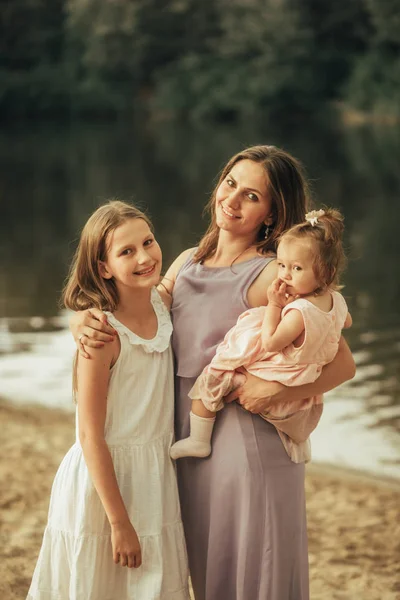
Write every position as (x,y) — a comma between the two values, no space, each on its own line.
(52,176)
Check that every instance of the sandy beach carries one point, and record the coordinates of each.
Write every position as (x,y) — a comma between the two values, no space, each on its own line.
(353,520)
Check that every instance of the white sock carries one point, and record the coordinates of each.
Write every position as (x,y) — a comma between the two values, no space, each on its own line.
(198,443)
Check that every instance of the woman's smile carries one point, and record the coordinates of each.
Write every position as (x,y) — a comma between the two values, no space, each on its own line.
(227,213)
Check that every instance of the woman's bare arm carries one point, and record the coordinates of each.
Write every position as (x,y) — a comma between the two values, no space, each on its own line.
(257,395)
(257,293)
(93,324)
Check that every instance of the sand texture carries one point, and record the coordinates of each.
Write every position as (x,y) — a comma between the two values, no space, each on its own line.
(353,521)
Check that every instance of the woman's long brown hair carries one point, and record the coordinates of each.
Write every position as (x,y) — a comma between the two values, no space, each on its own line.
(289,192)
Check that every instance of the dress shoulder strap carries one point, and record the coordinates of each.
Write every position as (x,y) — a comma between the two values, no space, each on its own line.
(188,261)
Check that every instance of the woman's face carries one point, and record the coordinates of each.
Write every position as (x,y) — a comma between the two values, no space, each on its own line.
(242,199)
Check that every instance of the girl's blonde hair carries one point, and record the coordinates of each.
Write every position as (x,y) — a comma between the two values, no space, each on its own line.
(326,234)
(289,192)
(85,287)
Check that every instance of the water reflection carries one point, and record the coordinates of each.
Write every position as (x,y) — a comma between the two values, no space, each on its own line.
(52,177)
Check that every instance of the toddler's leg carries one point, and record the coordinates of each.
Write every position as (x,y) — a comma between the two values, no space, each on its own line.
(237,380)
(200,410)
(198,443)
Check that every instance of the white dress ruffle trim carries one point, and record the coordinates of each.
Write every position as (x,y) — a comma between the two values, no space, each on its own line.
(160,342)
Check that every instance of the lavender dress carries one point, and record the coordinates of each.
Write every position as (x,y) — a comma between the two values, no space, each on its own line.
(243,508)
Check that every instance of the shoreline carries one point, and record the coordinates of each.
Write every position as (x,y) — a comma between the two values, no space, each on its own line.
(350,474)
(315,467)
(355,117)
(353,517)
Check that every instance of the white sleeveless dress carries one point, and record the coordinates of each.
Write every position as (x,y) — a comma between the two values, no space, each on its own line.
(75,561)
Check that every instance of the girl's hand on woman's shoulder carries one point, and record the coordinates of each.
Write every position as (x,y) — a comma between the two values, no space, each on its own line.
(90,328)
(165,296)
(166,285)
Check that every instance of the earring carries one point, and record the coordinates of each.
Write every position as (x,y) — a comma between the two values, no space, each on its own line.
(268,230)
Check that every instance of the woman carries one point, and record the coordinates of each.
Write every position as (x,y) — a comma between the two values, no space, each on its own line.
(243,508)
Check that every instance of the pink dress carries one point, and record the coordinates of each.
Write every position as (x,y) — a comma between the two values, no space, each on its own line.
(292,366)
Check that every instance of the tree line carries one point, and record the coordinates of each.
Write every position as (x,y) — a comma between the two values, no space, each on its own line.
(201,59)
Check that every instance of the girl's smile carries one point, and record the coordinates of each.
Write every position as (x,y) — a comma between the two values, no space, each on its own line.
(133,256)
(146,272)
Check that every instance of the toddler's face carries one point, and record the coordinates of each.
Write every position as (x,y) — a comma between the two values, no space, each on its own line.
(295,266)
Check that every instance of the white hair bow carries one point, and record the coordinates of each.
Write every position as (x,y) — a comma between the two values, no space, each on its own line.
(312,217)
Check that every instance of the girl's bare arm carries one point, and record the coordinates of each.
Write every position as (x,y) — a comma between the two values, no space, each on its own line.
(287,331)
(271,320)
(278,332)
(93,380)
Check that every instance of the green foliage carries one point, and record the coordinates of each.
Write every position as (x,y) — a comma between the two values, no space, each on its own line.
(385,16)
(31,47)
(259,60)
(105,35)
(341,32)
(31,32)
(374,84)
(42,89)
(198,58)
(116,46)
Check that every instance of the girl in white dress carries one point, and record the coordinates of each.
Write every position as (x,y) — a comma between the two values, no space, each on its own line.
(114,502)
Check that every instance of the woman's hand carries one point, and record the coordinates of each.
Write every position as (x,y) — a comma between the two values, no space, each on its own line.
(255,394)
(126,546)
(90,328)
